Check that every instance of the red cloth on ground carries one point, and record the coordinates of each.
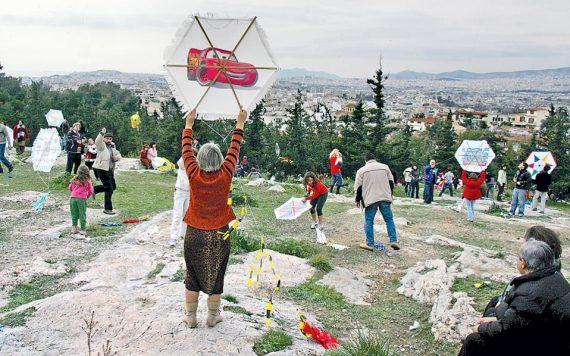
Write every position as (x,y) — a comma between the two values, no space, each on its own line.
(472,187)
(209,209)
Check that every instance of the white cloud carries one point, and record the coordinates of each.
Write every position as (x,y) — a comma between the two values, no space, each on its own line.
(344,37)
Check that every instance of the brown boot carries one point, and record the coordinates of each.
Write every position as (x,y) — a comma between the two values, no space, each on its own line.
(214,316)
(190,315)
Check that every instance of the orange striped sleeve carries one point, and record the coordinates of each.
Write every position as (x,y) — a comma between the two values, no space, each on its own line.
(232,157)
(190,163)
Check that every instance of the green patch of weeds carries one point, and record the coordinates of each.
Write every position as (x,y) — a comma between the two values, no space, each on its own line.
(272,341)
(157,269)
(316,294)
(178,276)
(39,287)
(230,298)
(299,248)
(241,198)
(481,295)
(13,320)
(496,210)
(61,182)
(237,309)
(363,345)
(241,243)
(321,263)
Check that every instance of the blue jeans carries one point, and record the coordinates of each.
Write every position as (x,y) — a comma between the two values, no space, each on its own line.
(447,186)
(3,158)
(428,192)
(386,211)
(470,211)
(519,197)
(337,180)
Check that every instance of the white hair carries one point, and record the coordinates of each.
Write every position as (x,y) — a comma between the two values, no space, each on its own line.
(536,254)
(210,157)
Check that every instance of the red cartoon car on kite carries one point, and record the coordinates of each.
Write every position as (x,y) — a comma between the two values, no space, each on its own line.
(204,67)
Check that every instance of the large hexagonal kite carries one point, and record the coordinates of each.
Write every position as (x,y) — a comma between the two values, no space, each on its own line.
(537,160)
(474,156)
(219,66)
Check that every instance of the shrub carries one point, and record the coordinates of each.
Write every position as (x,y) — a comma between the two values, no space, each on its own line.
(363,345)
(241,243)
(299,248)
(230,298)
(321,263)
(272,341)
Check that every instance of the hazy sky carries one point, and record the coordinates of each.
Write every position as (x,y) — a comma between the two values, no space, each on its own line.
(39,37)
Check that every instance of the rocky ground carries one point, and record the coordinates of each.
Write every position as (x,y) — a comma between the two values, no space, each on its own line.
(132,281)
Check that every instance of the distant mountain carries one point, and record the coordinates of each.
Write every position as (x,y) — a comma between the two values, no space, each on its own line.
(104,75)
(302,73)
(463,74)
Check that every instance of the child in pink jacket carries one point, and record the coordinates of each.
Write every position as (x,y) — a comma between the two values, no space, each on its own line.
(81,188)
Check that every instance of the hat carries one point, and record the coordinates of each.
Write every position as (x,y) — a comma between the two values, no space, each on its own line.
(108,134)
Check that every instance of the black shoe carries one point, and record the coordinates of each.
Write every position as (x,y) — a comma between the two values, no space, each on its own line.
(10,169)
(109,212)
(395,246)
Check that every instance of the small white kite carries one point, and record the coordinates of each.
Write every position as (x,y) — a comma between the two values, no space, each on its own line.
(292,209)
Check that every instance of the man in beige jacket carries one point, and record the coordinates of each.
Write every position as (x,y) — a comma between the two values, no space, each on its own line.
(374,185)
(107,156)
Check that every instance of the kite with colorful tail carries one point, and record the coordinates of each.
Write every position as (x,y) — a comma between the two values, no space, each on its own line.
(321,337)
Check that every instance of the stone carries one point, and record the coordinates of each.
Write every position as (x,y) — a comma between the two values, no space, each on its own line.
(276,188)
(258,182)
(353,285)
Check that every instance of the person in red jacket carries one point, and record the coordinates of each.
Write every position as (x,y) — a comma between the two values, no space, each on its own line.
(21,135)
(317,194)
(335,163)
(472,190)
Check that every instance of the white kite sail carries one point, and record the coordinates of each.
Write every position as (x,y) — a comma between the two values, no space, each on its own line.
(474,156)
(54,118)
(537,160)
(45,150)
(291,209)
(219,65)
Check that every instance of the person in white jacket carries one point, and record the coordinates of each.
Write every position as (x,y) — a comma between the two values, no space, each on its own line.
(181,201)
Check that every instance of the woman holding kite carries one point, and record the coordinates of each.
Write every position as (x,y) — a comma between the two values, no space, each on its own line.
(206,250)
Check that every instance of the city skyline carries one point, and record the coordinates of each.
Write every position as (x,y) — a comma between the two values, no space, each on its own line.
(48,37)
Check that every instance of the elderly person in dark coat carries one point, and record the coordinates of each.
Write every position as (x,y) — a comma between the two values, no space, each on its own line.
(532,316)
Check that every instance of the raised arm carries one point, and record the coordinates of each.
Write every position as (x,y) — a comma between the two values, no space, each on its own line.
(190,162)
(232,156)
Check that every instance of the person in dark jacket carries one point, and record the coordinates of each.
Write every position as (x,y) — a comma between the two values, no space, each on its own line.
(430,178)
(522,184)
(542,181)
(532,317)
(414,188)
(74,148)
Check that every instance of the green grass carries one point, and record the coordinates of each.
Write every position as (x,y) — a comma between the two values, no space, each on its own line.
(321,263)
(237,310)
(178,276)
(39,287)
(157,269)
(230,298)
(13,320)
(496,210)
(482,295)
(299,248)
(318,295)
(363,345)
(272,341)
(242,243)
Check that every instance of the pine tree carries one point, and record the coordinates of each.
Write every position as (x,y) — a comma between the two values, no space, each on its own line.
(354,141)
(255,133)
(296,147)
(377,120)
(444,139)
(554,134)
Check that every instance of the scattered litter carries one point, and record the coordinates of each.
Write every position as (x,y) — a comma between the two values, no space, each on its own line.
(39,204)
(131,221)
(144,218)
(321,238)
(478,285)
(111,224)
(339,247)
(1,327)
(415,325)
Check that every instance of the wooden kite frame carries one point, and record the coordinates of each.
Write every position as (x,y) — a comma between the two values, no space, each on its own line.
(223,68)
